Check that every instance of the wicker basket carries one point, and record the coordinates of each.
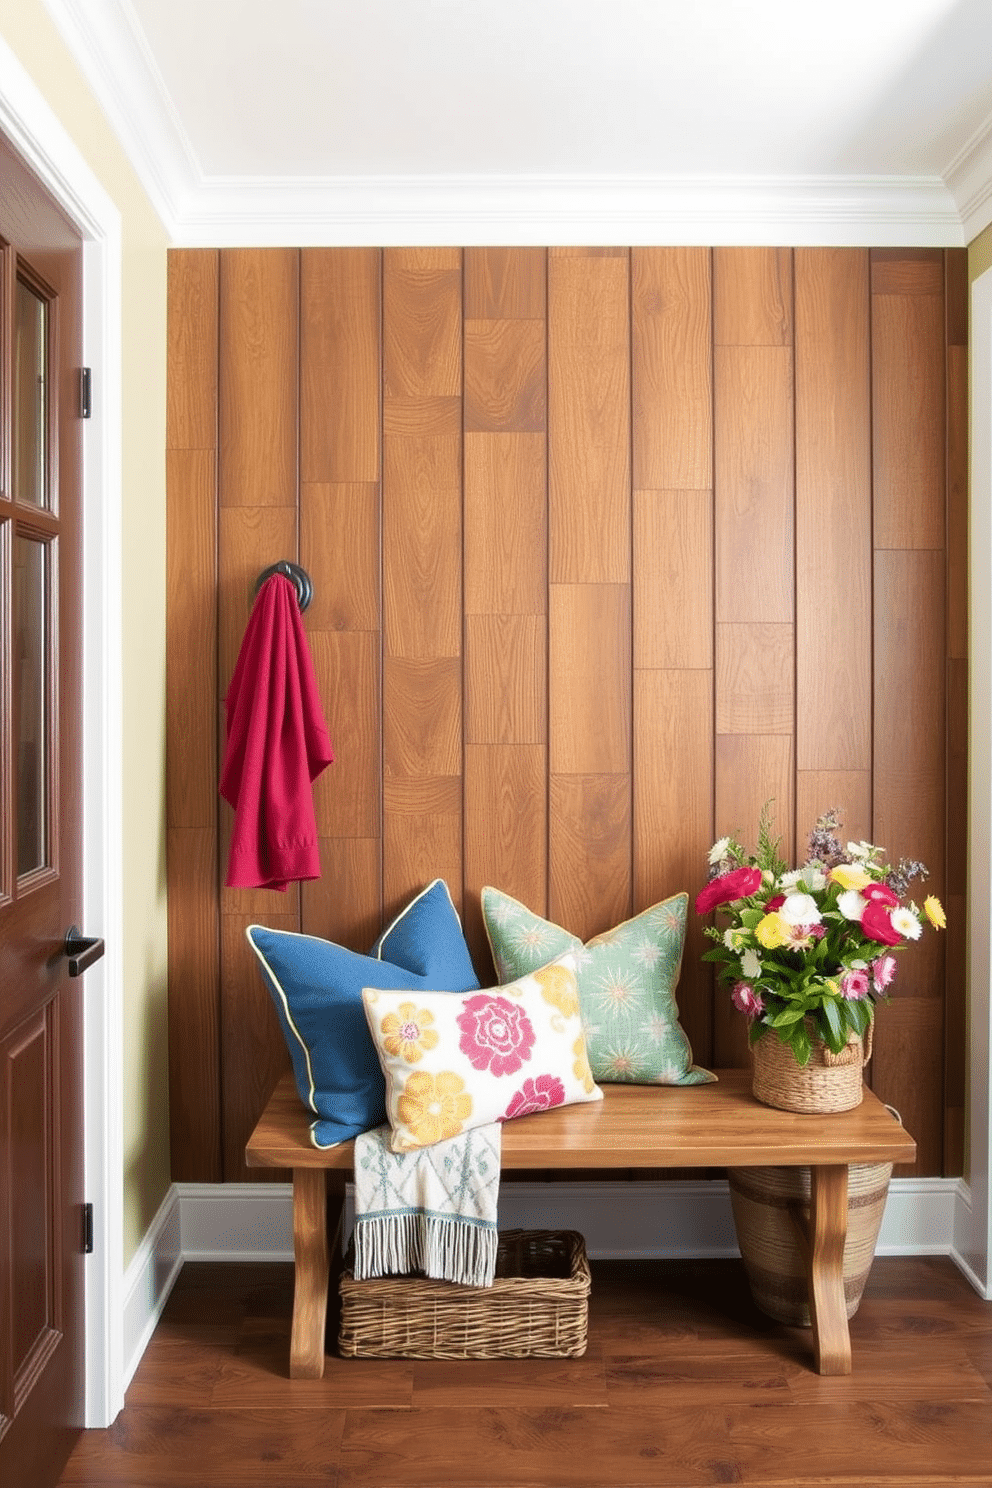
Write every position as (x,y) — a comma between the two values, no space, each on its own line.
(830,1082)
(761,1200)
(536,1308)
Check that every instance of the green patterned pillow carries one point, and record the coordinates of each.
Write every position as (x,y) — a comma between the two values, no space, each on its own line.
(627,979)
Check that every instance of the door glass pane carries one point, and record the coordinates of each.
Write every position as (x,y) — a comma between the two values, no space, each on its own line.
(30,637)
(30,449)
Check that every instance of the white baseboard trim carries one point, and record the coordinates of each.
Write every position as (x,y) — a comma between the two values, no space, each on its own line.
(148,1281)
(624,1221)
(628,1221)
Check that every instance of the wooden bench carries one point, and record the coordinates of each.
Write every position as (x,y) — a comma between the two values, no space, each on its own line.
(634,1126)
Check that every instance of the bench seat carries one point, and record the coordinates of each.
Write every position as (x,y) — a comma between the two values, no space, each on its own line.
(634,1126)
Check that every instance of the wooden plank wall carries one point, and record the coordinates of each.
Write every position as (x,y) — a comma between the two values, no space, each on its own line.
(608,548)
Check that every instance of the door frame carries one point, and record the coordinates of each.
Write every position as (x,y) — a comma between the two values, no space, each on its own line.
(38,137)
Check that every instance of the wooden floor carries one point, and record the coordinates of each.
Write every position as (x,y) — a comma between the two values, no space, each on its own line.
(683,1383)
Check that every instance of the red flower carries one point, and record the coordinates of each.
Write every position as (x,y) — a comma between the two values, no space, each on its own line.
(879,893)
(775,903)
(728,888)
(876,922)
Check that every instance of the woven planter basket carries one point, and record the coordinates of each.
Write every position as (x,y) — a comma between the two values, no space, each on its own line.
(830,1082)
(762,1199)
(537,1307)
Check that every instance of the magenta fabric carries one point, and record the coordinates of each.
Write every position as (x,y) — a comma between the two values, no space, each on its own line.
(277,744)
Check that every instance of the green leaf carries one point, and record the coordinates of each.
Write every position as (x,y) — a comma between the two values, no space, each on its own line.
(837,1034)
(801,1045)
(787,1017)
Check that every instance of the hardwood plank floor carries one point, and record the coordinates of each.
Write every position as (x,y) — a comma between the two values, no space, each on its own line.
(684,1383)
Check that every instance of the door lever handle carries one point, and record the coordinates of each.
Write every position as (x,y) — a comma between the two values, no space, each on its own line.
(82,950)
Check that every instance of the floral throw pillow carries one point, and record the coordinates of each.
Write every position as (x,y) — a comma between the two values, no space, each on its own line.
(453,1061)
(626,977)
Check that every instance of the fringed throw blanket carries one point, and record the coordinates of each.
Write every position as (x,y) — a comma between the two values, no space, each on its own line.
(432,1210)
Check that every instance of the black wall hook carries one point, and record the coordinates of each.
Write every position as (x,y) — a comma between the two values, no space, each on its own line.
(297,576)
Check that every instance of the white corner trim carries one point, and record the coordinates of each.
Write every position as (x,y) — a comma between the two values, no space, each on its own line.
(969,179)
(148,1281)
(113,55)
(537,210)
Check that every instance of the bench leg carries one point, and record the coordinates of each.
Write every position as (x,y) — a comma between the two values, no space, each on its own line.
(823,1252)
(310,1248)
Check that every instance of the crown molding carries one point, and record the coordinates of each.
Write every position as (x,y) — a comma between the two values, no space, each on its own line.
(538,210)
(217,211)
(969,178)
(109,48)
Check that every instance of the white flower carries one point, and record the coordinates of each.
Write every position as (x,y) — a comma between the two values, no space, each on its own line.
(750,964)
(905,923)
(815,879)
(719,851)
(852,905)
(789,880)
(861,849)
(800,909)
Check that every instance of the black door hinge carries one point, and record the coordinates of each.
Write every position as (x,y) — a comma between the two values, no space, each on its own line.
(87,1229)
(85,392)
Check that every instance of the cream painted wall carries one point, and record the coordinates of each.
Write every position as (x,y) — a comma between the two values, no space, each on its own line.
(28,31)
(980,254)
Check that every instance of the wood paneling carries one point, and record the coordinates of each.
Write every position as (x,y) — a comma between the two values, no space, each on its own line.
(609,548)
(833,512)
(259,372)
(192,808)
(422,572)
(589,417)
(671,327)
(339,361)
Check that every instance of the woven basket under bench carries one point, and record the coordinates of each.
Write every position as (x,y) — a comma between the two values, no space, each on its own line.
(537,1307)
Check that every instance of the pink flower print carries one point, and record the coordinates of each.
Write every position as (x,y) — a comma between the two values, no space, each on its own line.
(539,1094)
(854,985)
(883,970)
(496,1034)
(746,1000)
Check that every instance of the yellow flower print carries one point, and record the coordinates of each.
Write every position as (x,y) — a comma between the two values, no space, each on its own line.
(850,876)
(434,1106)
(407,1033)
(772,931)
(934,911)
(580,1069)
(559,987)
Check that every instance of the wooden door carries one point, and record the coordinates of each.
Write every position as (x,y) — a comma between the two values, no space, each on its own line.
(41,1198)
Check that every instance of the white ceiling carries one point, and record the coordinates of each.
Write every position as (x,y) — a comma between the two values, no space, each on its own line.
(679,120)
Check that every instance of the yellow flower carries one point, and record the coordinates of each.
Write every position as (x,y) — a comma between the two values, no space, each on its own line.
(772,931)
(558,986)
(580,1069)
(934,911)
(406,1033)
(434,1106)
(850,876)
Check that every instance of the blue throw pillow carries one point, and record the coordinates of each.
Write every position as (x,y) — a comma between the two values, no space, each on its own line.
(317,989)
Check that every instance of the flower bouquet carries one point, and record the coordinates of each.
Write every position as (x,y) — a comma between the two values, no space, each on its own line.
(808,951)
